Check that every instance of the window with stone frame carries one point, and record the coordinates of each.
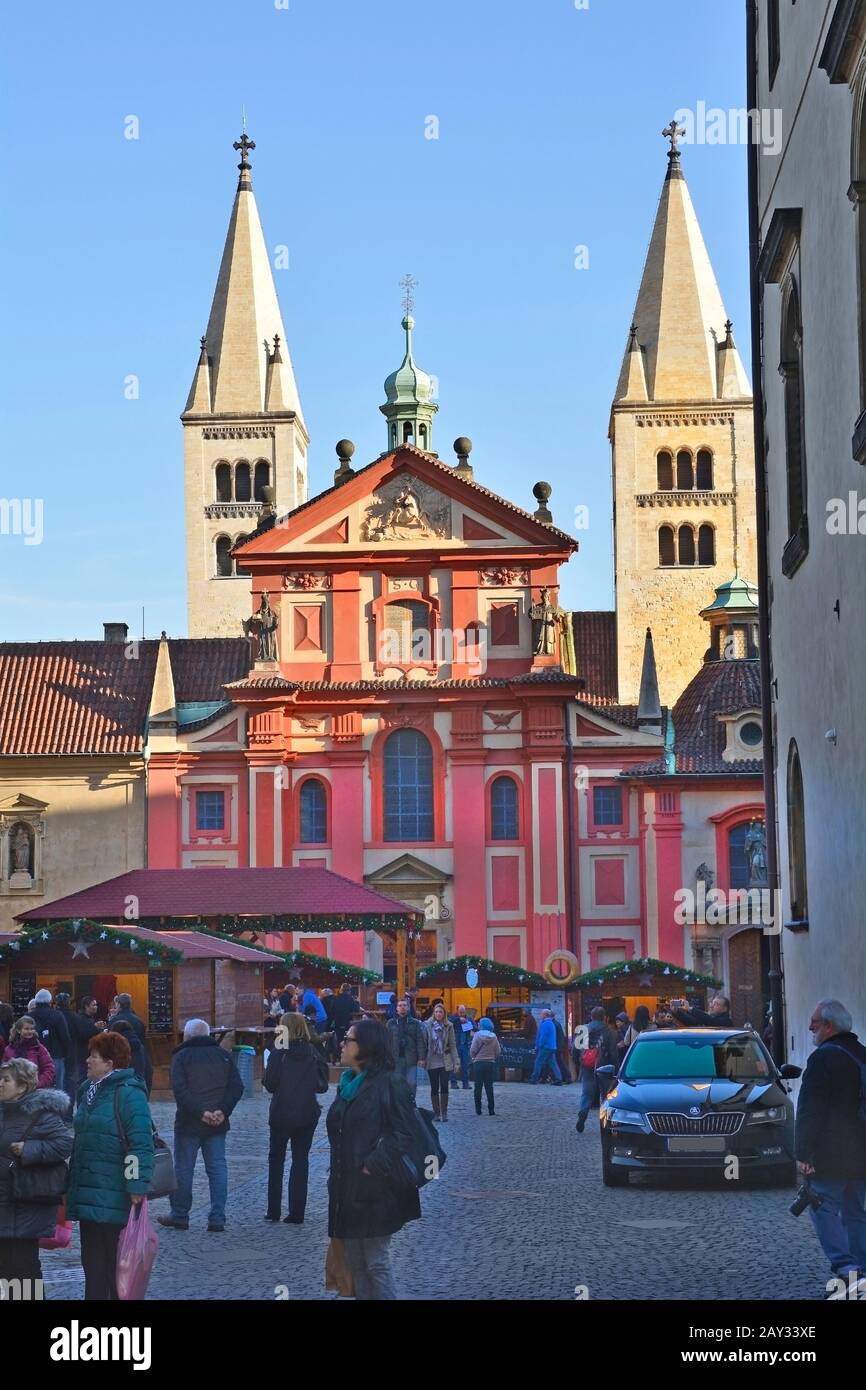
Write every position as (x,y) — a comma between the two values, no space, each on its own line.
(408,787)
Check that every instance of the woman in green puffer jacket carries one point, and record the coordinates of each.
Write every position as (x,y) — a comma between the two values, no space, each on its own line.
(112,1158)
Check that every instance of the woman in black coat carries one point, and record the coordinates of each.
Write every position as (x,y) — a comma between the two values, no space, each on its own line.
(370,1125)
(35,1141)
(296,1073)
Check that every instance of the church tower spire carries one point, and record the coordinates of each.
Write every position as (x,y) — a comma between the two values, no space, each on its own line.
(243,424)
(409,405)
(681,431)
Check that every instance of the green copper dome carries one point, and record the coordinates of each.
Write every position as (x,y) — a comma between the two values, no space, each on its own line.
(737,593)
(409,400)
(408,385)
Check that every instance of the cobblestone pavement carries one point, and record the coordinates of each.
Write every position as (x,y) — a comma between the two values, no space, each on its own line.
(520,1212)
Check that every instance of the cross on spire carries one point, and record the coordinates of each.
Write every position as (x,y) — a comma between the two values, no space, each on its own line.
(244,145)
(674,132)
(408,286)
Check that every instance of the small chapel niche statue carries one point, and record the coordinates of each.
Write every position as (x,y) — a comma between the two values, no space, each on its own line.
(263,624)
(756,852)
(546,618)
(20,851)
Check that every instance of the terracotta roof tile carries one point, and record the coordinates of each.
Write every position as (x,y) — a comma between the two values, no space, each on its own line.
(719,688)
(74,697)
(201,666)
(595,650)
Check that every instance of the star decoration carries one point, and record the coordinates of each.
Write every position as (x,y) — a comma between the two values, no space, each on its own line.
(45,936)
(80,948)
(645,980)
(103,935)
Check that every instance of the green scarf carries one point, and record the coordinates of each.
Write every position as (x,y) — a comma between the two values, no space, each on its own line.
(350,1084)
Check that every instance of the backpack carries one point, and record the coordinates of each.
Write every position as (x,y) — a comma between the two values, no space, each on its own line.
(861,1067)
(589,1058)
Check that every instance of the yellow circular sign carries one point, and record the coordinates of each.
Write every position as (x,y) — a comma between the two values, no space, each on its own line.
(570,960)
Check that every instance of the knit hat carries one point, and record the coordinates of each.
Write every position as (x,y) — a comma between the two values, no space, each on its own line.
(486,1024)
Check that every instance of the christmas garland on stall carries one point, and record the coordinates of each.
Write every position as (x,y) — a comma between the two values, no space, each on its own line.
(309,922)
(648,966)
(83,933)
(293,958)
(460,964)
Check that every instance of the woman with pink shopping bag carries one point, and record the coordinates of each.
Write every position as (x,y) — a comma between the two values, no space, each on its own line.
(112,1162)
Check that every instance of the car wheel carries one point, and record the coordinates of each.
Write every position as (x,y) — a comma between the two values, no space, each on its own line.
(611,1176)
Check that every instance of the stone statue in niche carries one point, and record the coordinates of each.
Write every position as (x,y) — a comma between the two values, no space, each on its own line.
(408,511)
(756,852)
(545,624)
(263,624)
(21,851)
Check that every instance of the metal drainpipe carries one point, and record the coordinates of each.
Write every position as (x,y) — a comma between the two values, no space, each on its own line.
(769,758)
(569,822)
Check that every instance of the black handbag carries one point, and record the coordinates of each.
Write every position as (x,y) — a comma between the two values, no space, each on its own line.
(41,1183)
(163,1182)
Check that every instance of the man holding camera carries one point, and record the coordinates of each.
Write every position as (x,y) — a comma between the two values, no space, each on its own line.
(830,1140)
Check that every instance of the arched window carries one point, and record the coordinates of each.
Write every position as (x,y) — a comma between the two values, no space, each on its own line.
(667,554)
(240,540)
(422,436)
(504,818)
(405,633)
(686,545)
(313,813)
(223,549)
(223,476)
(797,839)
(685,472)
(791,369)
(408,787)
(738,860)
(705,470)
(665,471)
(393,436)
(262,479)
(242,482)
(706,545)
(408,432)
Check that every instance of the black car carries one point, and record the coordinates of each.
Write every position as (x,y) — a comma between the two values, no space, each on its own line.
(690,1099)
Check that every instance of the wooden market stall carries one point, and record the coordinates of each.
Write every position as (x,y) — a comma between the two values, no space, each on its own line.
(171,976)
(623,985)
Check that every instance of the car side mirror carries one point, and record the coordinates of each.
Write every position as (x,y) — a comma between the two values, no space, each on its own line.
(790,1072)
(605,1071)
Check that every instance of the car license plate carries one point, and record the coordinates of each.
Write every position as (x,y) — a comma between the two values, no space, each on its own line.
(696,1144)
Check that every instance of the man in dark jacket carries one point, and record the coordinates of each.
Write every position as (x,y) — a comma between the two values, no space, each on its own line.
(53,1034)
(343,1010)
(408,1044)
(718,1015)
(830,1138)
(123,1010)
(207,1087)
(601,1045)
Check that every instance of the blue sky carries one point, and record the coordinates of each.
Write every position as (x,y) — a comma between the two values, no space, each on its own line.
(549,120)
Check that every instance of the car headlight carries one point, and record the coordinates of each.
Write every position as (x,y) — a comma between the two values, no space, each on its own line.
(774,1115)
(627,1117)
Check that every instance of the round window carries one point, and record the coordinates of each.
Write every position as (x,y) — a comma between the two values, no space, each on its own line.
(751,733)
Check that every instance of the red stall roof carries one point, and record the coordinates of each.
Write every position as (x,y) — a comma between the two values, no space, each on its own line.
(166,895)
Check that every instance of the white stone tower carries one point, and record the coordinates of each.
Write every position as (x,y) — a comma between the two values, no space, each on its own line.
(243,424)
(683,453)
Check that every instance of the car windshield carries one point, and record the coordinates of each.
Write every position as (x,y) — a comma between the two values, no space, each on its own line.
(689,1057)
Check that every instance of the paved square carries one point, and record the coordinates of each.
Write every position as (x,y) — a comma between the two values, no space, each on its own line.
(520,1212)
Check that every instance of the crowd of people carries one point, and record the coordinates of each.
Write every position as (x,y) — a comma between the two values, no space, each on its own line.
(98,1165)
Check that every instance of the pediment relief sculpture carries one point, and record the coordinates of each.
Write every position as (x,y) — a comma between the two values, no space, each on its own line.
(406,510)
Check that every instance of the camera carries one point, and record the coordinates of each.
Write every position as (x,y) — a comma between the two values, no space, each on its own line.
(805,1198)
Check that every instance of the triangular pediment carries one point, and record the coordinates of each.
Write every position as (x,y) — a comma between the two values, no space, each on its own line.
(403,500)
(406,869)
(595,726)
(22,803)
